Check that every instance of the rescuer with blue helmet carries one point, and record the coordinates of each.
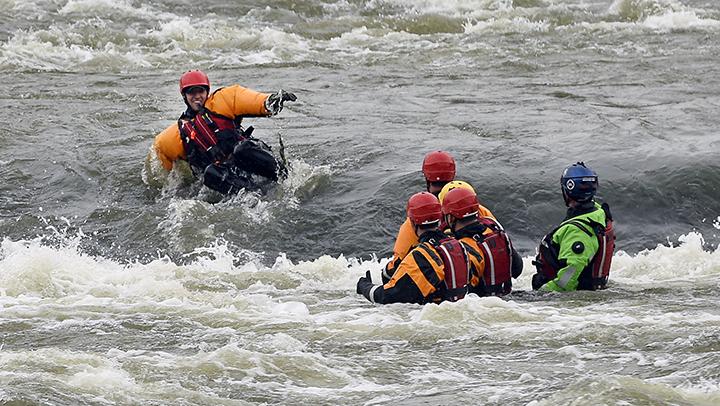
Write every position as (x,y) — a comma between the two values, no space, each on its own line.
(577,254)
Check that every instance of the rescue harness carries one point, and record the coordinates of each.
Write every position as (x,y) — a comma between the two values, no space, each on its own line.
(209,138)
(497,251)
(457,269)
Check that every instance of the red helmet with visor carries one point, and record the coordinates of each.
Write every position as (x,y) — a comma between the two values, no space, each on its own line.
(460,203)
(424,208)
(194,78)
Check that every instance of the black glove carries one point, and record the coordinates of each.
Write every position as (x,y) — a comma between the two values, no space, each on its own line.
(517,264)
(538,280)
(364,284)
(274,102)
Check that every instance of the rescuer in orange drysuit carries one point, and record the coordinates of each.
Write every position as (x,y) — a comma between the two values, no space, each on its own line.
(210,138)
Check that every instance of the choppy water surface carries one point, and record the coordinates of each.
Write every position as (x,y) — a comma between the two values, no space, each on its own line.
(122,285)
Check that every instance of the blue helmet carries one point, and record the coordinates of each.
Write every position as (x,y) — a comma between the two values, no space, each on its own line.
(579,182)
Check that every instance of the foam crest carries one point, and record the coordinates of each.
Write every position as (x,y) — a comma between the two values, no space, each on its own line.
(660,14)
(447,7)
(618,388)
(506,26)
(212,38)
(679,20)
(107,8)
(637,10)
(283,363)
(89,44)
(31,268)
(81,372)
(482,311)
(95,43)
(686,262)
(329,273)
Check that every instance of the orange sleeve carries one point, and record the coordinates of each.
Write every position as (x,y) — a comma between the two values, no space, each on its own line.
(405,241)
(484,212)
(169,147)
(237,101)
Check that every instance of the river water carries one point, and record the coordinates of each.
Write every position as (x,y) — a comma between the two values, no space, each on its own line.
(120,284)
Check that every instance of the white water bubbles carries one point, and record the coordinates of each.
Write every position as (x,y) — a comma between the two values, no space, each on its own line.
(662,15)
(686,263)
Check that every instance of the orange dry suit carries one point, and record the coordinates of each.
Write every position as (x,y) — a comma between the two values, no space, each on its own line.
(434,271)
(407,240)
(493,260)
(214,143)
(229,103)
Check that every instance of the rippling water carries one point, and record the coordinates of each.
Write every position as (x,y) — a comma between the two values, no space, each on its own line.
(122,285)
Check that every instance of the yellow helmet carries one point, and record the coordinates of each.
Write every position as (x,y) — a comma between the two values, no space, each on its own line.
(452,185)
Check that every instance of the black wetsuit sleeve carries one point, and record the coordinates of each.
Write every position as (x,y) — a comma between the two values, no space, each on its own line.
(404,291)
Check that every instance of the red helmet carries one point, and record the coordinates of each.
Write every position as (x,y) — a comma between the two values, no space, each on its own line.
(460,203)
(438,166)
(194,78)
(424,208)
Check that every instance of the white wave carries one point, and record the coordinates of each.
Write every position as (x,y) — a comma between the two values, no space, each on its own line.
(615,389)
(686,262)
(672,20)
(445,7)
(32,269)
(661,14)
(93,42)
(632,8)
(57,48)
(328,273)
(300,329)
(506,25)
(208,39)
(82,372)
(26,8)
(110,8)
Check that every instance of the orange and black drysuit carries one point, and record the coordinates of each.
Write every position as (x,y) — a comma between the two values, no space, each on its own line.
(406,240)
(434,271)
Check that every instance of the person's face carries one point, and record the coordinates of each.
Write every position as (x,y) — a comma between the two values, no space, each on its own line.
(196,97)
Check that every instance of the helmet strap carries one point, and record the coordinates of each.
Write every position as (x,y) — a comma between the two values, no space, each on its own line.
(450,221)
(566,198)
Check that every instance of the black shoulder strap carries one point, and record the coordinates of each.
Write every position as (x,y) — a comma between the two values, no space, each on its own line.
(606,209)
(580,223)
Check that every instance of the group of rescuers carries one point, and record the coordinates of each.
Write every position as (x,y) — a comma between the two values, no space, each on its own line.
(449,245)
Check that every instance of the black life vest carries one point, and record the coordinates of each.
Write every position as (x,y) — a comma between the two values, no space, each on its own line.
(595,275)
(497,251)
(457,269)
(208,138)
